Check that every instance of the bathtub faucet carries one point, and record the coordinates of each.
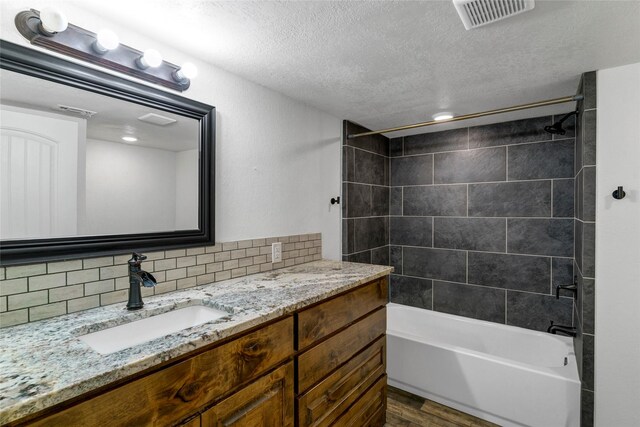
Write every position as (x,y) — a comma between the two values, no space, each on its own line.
(567,330)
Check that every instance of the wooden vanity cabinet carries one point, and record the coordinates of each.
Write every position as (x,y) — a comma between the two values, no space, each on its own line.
(324,365)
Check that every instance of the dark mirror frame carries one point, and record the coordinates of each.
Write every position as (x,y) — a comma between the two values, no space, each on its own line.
(34,63)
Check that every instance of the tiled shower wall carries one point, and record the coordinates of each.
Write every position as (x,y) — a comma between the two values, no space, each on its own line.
(365,197)
(39,291)
(481,221)
(585,223)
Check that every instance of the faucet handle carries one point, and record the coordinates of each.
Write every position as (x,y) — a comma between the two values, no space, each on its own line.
(136,258)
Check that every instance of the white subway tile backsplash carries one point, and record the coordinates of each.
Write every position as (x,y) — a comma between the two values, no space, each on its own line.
(39,291)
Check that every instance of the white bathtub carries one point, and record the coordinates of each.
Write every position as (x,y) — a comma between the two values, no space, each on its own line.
(507,375)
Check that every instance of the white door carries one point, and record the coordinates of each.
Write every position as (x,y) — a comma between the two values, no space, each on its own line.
(38,174)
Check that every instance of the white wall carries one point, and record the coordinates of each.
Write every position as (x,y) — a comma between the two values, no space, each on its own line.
(277,159)
(617,345)
(187,189)
(129,189)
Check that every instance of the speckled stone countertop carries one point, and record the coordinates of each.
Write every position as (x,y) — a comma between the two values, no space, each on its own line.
(44,363)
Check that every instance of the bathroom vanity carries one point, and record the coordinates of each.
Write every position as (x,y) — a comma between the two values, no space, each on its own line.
(306,349)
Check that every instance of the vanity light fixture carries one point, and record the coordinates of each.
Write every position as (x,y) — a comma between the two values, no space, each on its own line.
(106,40)
(129,138)
(51,30)
(442,116)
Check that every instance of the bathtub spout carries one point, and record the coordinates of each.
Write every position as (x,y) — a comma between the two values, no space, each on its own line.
(567,330)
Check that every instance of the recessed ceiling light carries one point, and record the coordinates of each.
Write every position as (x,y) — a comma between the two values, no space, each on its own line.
(129,138)
(442,116)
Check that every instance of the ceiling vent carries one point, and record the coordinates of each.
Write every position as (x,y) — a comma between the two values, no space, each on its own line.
(156,119)
(75,110)
(476,13)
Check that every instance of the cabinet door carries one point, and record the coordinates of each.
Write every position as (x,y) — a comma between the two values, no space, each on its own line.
(266,402)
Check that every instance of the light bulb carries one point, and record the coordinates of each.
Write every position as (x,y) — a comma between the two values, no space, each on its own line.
(106,40)
(52,20)
(189,70)
(442,116)
(151,58)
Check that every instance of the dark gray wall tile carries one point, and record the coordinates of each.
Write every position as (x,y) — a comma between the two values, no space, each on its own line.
(519,272)
(410,231)
(589,90)
(507,133)
(563,202)
(363,257)
(553,237)
(345,199)
(369,168)
(587,361)
(433,142)
(510,199)
(534,311)
(553,159)
(347,163)
(470,301)
(380,256)
(438,200)
(578,303)
(395,147)
(579,236)
(358,200)
(586,408)
(434,264)
(487,164)
(415,170)
(589,138)
(588,305)
(481,234)
(562,274)
(347,236)
(569,125)
(395,258)
(577,163)
(375,143)
(371,233)
(589,194)
(411,291)
(579,194)
(589,249)
(395,204)
(379,200)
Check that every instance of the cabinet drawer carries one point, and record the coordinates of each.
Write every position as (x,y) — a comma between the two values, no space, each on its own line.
(321,405)
(169,395)
(266,402)
(315,363)
(325,318)
(369,410)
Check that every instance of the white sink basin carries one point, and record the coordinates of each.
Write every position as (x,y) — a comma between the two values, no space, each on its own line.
(130,334)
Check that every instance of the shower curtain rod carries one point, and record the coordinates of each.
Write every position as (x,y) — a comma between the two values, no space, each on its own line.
(472,116)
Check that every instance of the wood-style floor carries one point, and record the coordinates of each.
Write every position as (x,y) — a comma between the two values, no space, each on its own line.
(407,410)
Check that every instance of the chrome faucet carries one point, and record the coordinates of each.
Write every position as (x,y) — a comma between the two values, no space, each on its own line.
(137,278)
(567,330)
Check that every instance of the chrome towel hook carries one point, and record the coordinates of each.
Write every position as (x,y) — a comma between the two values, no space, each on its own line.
(619,193)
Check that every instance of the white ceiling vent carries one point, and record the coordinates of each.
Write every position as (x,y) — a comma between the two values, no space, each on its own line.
(75,110)
(156,119)
(476,13)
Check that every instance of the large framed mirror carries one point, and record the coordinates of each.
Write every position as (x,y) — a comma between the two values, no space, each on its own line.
(94,164)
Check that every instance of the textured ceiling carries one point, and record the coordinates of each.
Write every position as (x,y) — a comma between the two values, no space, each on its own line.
(389,63)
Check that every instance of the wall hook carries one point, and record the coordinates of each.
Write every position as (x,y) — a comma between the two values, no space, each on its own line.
(619,193)
(335,200)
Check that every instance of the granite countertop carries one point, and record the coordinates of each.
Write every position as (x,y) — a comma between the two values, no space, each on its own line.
(44,363)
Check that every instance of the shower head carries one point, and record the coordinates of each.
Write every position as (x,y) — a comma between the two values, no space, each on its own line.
(556,128)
